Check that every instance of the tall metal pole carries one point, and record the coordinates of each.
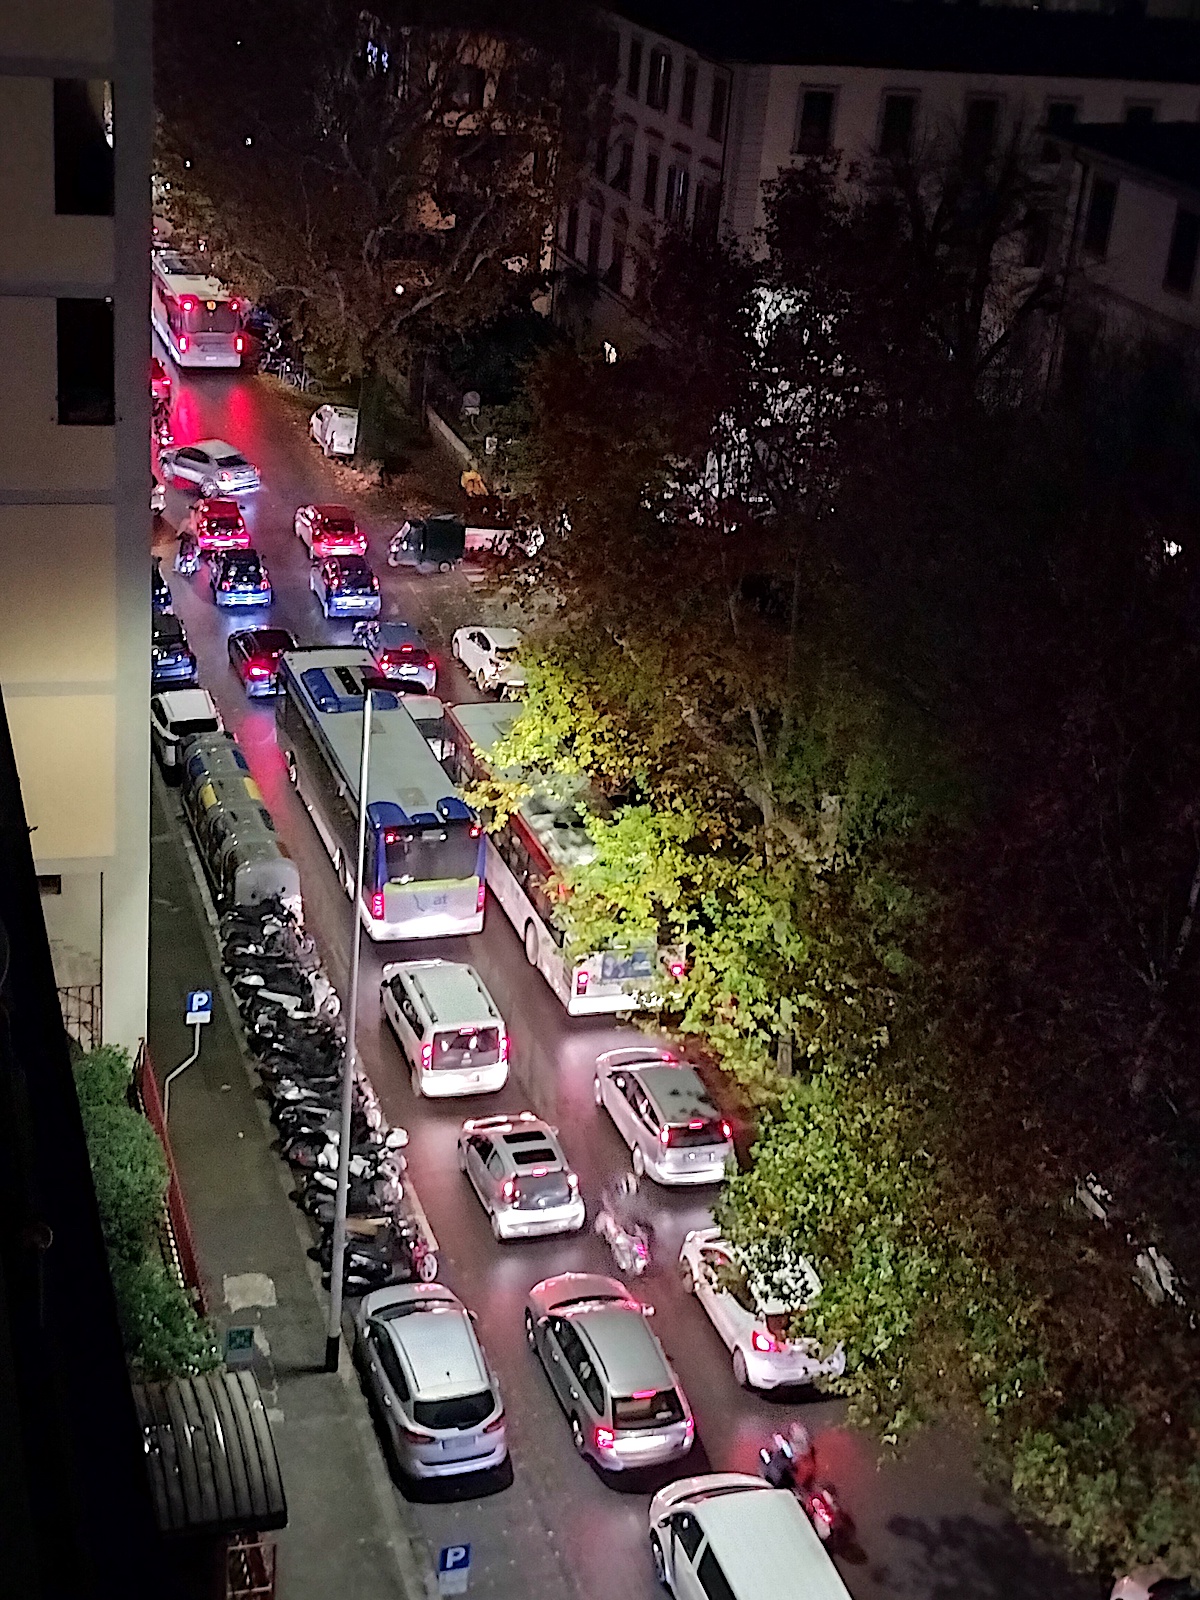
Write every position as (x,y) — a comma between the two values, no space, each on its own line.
(337,1266)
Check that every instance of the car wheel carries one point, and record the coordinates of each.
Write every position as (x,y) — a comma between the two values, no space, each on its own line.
(530,941)
(530,1333)
(208,487)
(445,566)
(597,1092)
(741,1376)
(456,649)
(639,1162)
(496,1233)
(481,681)
(577,1438)
(660,1562)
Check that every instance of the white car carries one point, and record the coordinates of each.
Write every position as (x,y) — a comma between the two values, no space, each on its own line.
(750,1316)
(176,716)
(215,467)
(335,429)
(490,657)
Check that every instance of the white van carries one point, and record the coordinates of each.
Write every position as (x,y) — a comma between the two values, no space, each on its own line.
(335,429)
(448,1026)
(727,1536)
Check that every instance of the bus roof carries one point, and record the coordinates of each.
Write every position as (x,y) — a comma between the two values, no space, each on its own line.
(185,276)
(555,822)
(326,683)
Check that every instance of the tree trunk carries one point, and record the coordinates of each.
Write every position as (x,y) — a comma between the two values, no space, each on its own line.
(373,415)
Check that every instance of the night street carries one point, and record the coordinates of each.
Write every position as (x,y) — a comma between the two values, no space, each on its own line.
(922,1528)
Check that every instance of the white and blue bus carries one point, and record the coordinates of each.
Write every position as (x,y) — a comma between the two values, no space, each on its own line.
(423,873)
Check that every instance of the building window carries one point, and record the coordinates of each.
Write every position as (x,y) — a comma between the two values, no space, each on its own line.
(897,123)
(623,169)
(687,95)
(615,276)
(1181,257)
(706,214)
(86,396)
(658,81)
(814,122)
(717,108)
(571,241)
(1060,118)
(1098,227)
(678,183)
(1139,112)
(49,883)
(83,152)
(650,191)
(633,72)
(595,227)
(981,122)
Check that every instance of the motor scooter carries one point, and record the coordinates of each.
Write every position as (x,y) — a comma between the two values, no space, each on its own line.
(630,1246)
(792,1464)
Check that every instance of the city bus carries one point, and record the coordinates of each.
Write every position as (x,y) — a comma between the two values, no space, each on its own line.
(423,872)
(194,315)
(544,836)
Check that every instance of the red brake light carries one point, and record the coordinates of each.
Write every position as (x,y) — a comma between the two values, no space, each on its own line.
(187,303)
(644,1394)
(426,1056)
(763,1342)
(235,304)
(476,829)
(227,583)
(377,905)
(604,1438)
(726,1130)
(259,670)
(581,981)
(504,1048)
(494,1425)
(183,344)
(430,663)
(239,344)
(509,1190)
(664,1136)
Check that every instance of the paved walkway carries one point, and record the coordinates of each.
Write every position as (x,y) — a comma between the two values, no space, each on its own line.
(348,1533)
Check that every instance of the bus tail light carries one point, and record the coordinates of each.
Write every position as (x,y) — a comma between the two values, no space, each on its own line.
(581,981)
(183,344)
(377,905)
(239,343)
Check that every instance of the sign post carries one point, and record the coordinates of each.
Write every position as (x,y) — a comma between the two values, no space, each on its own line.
(199,1011)
(239,1348)
(454,1568)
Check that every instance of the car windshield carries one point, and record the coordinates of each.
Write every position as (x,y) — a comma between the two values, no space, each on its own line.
(194,725)
(224,519)
(427,854)
(464,1411)
(466,1047)
(536,1192)
(648,1411)
(232,461)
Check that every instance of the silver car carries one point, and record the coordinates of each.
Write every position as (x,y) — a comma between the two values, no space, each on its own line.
(518,1170)
(428,1372)
(662,1111)
(213,466)
(624,1403)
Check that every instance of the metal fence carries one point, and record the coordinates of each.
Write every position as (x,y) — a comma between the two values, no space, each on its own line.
(81,1014)
(180,1246)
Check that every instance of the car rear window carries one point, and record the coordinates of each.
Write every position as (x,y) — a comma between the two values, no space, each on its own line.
(542,1157)
(231,461)
(648,1411)
(339,525)
(541,1192)
(466,1047)
(185,730)
(463,1411)
(699,1131)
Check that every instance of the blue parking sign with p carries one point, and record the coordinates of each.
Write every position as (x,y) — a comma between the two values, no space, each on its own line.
(454,1568)
(199,1005)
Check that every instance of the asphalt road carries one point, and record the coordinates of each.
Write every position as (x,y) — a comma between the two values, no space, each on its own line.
(554,1526)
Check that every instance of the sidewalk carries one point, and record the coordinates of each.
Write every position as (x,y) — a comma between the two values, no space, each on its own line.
(348,1533)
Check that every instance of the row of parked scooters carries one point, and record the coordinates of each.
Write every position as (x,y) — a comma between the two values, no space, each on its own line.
(290,1011)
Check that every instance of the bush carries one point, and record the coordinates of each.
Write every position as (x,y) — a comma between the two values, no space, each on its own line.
(129,1170)
(164,1335)
(102,1078)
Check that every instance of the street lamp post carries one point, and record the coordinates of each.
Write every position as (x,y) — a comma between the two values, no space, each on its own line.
(337,1265)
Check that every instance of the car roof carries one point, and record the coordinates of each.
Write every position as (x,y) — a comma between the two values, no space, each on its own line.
(184,704)
(439,1346)
(351,563)
(766,1545)
(214,447)
(452,991)
(523,1139)
(328,511)
(267,638)
(389,633)
(166,622)
(676,1091)
(624,1346)
(234,557)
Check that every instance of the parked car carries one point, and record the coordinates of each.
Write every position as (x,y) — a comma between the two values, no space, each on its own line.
(329,531)
(345,586)
(625,1406)
(254,655)
(662,1111)
(238,578)
(752,1315)
(429,541)
(518,1170)
(176,716)
(160,590)
(214,466)
(490,657)
(160,380)
(171,661)
(426,1369)
(217,524)
(335,429)
(401,653)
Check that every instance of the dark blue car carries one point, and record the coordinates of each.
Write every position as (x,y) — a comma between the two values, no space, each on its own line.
(238,578)
(171,661)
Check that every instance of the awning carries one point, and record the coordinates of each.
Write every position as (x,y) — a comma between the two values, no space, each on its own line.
(210,1455)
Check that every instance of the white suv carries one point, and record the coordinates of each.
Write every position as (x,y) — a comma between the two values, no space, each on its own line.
(176,716)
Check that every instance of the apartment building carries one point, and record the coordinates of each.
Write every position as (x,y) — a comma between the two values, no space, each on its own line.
(76,124)
(708,108)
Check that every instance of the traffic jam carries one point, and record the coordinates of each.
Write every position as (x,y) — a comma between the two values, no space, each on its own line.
(262,674)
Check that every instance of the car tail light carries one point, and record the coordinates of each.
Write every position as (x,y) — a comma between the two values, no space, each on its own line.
(726,1130)
(377,905)
(573,1181)
(581,981)
(480,896)
(426,1056)
(644,1394)
(430,664)
(689,1428)
(187,303)
(476,829)
(239,344)
(509,1191)
(494,1425)
(504,1048)
(257,670)
(763,1342)
(664,1136)
(183,344)
(227,583)
(411,1436)
(604,1438)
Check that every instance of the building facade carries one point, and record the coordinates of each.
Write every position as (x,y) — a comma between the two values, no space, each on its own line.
(76,127)
(705,114)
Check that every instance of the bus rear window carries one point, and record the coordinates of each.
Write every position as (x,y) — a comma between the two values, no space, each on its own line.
(618,965)
(426,855)
(222,319)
